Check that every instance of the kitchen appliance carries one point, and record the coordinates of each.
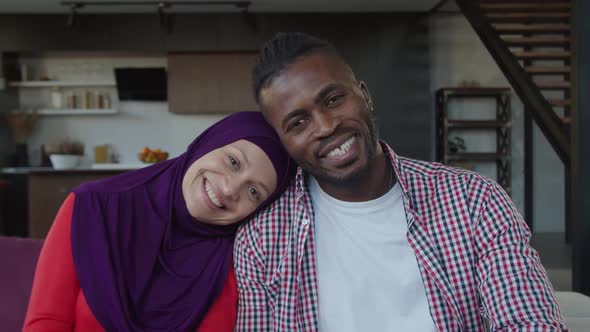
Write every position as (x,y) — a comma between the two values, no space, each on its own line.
(147,84)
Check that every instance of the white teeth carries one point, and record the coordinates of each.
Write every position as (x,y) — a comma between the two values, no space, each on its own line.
(342,149)
(212,195)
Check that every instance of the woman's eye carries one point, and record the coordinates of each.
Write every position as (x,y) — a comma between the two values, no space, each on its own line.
(234,162)
(254,193)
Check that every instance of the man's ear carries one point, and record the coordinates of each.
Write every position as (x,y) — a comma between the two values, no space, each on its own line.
(366,94)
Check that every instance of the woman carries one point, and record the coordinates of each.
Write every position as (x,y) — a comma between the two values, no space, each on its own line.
(151,250)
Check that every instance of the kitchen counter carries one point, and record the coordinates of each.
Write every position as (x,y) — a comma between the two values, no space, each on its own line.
(94,168)
(38,192)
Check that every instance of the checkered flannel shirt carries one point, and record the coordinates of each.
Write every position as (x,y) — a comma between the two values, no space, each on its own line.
(470,242)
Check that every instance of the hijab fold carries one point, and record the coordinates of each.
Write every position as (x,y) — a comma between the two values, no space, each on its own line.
(143,262)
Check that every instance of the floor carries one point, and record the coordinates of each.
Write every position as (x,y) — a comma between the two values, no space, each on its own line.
(556,258)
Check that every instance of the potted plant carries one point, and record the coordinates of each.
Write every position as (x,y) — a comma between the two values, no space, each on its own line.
(65,154)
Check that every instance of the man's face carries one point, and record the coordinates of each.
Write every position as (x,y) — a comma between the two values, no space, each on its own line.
(323,116)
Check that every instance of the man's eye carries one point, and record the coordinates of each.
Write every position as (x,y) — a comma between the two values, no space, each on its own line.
(334,99)
(296,124)
(234,162)
(254,193)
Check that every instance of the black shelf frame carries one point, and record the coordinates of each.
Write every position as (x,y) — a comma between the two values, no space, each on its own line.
(501,125)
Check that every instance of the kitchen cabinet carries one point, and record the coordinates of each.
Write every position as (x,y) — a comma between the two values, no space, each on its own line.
(47,191)
(210,82)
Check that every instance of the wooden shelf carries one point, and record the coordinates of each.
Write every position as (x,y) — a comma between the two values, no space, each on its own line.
(517,28)
(477,124)
(547,70)
(542,55)
(81,111)
(50,84)
(476,156)
(537,41)
(553,85)
(529,17)
(475,92)
(560,102)
(524,5)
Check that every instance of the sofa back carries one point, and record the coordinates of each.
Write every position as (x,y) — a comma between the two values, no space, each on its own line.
(18,258)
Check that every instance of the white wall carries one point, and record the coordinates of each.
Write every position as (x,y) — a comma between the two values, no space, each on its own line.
(138,124)
(458,55)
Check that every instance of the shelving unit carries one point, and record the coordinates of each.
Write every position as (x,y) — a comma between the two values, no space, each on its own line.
(69,86)
(501,125)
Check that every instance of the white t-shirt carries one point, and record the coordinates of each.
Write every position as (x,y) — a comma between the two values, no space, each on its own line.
(368,277)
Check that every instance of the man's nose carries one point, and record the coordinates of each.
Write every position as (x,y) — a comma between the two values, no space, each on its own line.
(326,123)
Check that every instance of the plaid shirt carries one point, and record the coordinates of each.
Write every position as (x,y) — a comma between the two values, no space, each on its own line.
(470,242)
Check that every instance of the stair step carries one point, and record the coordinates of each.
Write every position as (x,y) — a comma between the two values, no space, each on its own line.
(553,85)
(529,6)
(536,41)
(523,1)
(566,120)
(528,17)
(560,102)
(513,28)
(541,70)
(542,55)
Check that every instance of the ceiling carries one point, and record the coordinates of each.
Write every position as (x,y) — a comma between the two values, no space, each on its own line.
(55,7)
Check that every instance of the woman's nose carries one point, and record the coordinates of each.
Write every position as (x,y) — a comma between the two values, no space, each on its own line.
(230,188)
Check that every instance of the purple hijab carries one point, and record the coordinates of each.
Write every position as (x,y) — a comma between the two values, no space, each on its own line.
(143,262)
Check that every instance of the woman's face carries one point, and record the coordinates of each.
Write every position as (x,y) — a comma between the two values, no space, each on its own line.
(227,184)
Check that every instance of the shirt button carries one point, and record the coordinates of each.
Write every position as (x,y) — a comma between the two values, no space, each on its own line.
(305,222)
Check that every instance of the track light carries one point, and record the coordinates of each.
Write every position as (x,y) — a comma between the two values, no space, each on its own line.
(239,4)
(73,11)
(165,21)
(162,6)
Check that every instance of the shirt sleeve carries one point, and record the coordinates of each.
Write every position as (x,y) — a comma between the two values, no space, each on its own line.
(515,292)
(254,313)
(55,287)
(221,317)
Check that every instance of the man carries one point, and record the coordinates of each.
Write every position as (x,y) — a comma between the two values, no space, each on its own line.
(366,240)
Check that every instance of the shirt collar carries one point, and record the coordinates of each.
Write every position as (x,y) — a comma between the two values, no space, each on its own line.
(301,186)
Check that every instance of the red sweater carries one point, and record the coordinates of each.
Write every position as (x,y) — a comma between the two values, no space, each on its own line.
(58,304)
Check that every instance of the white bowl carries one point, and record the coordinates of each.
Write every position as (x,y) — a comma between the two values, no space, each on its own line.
(64,161)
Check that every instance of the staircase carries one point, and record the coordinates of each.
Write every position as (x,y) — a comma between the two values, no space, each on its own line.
(531,41)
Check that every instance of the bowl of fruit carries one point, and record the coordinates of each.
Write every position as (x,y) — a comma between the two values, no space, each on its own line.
(150,156)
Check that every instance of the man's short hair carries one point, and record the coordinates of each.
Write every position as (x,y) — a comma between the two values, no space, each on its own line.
(281,51)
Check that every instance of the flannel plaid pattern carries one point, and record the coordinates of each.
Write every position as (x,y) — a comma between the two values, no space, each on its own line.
(470,242)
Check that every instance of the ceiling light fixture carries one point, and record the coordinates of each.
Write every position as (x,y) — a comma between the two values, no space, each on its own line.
(162,6)
(243,5)
(165,21)
(73,11)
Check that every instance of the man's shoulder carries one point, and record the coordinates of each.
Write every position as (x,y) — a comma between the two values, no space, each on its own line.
(432,173)
(276,216)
